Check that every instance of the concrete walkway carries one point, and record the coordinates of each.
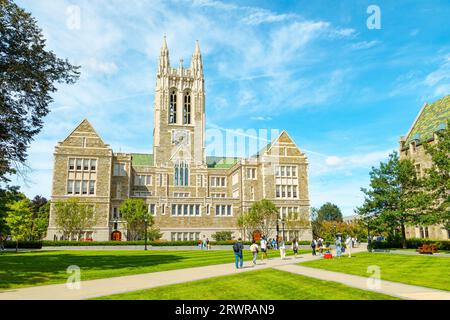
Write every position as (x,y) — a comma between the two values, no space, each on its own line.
(104,287)
(394,289)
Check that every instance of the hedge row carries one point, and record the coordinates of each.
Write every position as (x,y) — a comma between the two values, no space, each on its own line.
(46,243)
(410,244)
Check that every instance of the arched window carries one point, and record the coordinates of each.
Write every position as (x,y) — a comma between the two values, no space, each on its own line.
(173,107)
(181,174)
(187,108)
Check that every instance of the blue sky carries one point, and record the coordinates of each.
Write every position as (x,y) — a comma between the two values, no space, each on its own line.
(344,93)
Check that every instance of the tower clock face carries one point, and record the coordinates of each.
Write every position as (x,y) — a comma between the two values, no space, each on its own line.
(181,137)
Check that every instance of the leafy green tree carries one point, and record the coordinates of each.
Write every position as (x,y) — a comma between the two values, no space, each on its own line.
(395,197)
(263,216)
(154,234)
(329,212)
(134,212)
(28,75)
(8,195)
(73,217)
(245,224)
(222,235)
(41,213)
(19,220)
(437,179)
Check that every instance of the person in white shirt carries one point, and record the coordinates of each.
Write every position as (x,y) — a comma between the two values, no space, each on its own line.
(349,245)
(254,249)
(295,247)
(263,244)
(282,249)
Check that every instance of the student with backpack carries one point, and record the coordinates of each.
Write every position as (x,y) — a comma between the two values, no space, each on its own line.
(237,248)
(254,249)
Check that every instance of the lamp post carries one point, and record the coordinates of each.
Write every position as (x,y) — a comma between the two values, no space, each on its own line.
(368,234)
(282,223)
(145,223)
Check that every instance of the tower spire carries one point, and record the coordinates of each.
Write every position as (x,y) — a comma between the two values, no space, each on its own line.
(196,62)
(164,62)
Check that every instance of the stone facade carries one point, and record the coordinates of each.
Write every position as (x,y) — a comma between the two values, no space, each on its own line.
(430,119)
(190,195)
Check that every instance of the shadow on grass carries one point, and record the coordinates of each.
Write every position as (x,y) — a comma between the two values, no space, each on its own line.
(19,270)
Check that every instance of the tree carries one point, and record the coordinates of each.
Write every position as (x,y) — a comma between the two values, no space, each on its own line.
(28,75)
(8,195)
(19,220)
(134,212)
(395,197)
(41,213)
(73,217)
(263,216)
(437,179)
(329,212)
(245,224)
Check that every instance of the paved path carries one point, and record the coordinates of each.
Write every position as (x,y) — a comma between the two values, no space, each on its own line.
(395,289)
(103,287)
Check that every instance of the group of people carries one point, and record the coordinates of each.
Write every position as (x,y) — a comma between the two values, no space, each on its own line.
(350,243)
(264,246)
(204,244)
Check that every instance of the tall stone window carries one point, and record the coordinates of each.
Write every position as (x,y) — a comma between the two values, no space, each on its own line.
(187,108)
(173,107)
(181,174)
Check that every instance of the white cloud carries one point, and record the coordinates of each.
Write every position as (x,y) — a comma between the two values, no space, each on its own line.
(365,45)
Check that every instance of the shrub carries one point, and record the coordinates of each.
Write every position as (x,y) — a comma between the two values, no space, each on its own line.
(410,244)
(24,244)
(222,236)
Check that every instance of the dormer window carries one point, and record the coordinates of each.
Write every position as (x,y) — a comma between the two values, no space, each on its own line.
(173,107)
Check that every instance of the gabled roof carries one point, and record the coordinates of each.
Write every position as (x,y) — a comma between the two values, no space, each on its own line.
(84,128)
(431,118)
(221,162)
(140,159)
(283,137)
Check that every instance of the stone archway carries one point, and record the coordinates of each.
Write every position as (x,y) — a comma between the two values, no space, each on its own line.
(116,236)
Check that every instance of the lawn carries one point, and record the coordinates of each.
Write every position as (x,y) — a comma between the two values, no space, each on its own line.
(268,284)
(34,268)
(426,271)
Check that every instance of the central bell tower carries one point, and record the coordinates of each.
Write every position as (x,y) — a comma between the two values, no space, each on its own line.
(179,111)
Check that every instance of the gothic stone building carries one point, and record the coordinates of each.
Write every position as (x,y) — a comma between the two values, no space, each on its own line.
(190,195)
(431,118)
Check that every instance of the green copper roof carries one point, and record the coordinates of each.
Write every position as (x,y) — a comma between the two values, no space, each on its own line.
(139,159)
(221,162)
(432,118)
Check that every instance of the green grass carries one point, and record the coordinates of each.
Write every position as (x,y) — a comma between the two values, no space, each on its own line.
(34,268)
(268,284)
(426,271)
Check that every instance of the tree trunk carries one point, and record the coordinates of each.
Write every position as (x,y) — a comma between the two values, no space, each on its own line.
(403,236)
(17,246)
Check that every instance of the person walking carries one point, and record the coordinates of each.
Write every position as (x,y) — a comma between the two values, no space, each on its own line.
(295,247)
(274,244)
(349,245)
(239,258)
(313,246)
(338,245)
(208,247)
(320,245)
(282,249)
(254,249)
(263,244)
